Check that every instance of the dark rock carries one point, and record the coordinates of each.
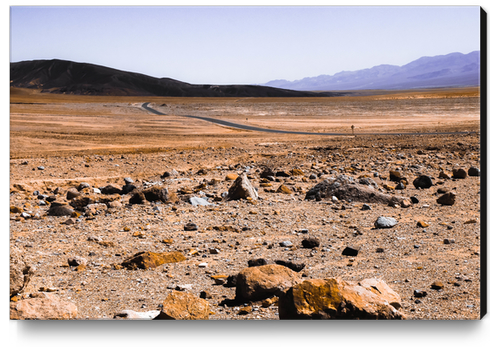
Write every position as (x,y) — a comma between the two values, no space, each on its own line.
(350,251)
(414,200)
(257,262)
(345,188)
(128,188)
(365,207)
(146,260)
(459,173)
(419,293)
(447,199)
(72,194)
(60,209)
(190,227)
(293,266)
(310,242)
(423,182)
(395,176)
(473,171)
(110,189)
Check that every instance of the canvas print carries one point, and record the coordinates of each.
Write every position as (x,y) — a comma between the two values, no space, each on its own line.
(246,163)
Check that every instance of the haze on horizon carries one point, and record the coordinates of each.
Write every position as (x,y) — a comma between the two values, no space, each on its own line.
(241,45)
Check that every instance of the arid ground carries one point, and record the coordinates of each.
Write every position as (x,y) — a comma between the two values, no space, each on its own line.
(60,141)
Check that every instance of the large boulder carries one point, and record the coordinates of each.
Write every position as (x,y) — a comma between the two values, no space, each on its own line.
(242,189)
(183,306)
(146,260)
(43,306)
(344,187)
(334,298)
(261,282)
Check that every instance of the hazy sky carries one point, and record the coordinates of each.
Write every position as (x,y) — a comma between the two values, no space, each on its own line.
(223,45)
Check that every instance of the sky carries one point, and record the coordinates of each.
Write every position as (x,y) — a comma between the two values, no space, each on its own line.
(241,44)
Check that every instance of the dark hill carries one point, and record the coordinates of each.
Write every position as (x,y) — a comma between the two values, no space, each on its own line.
(61,76)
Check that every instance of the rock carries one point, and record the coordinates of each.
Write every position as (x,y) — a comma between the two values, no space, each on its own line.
(459,173)
(447,199)
(72,194)
(20,274)
(285,243)
(43,306)
(313,176)
(83,185)
(267,172)
(40,167)
(400,186)
(365,207)
(190,227)
(283,189)
(414,200)
(395,176)
(60,209)
(293,266)
(405,203)
(437,285)
(350,251)
(423,182)
(128,180)
(129,314)
(368,182)
(334,298)
(310,242)
(261,282)
(110,189)
(231,177)
(183,306)
(257,262)
(385,222)
(448,241)
(160,194)
(195,201)
(146,260)
(244,310)
(77,261)
(474,171)
(128,188)
(443,175)
(422,224)
(419,293)
(442,190)
(242,189)
(171,173)
(345,188)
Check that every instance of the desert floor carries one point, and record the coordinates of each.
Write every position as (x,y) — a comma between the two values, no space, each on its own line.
(102,140)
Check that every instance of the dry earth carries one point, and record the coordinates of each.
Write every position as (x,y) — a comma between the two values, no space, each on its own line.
(60,141)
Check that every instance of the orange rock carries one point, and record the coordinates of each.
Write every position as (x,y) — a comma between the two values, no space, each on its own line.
(231,177)
(184,306)
(283,189)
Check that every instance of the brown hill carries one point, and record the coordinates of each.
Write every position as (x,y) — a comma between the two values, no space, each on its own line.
(61,76)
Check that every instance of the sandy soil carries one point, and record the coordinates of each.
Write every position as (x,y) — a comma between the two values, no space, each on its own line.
(102,140)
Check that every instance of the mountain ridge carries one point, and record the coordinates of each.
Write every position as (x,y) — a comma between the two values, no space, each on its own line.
(450,70)
(68,77)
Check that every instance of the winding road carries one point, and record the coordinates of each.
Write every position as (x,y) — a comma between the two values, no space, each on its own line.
(277,131)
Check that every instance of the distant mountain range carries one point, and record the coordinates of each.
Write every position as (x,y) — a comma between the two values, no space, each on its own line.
(67,77)
(451,70)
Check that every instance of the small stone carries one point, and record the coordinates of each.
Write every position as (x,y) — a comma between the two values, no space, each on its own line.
(257,262)
(190,227)
(414,200)
(437,285)
(447,199)
(459,173)
(40,167)
(419,293)
(379,250)
(350,251)
(385,222)
(245,310)
(285,243)
(448,241)
(422,224)
(77,261)
(231,177)
(365,207)
(293,266)
(474,171)
(423,182)
(128,180)
(310,242)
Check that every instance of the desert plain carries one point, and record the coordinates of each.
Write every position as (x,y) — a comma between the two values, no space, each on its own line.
(66,143)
